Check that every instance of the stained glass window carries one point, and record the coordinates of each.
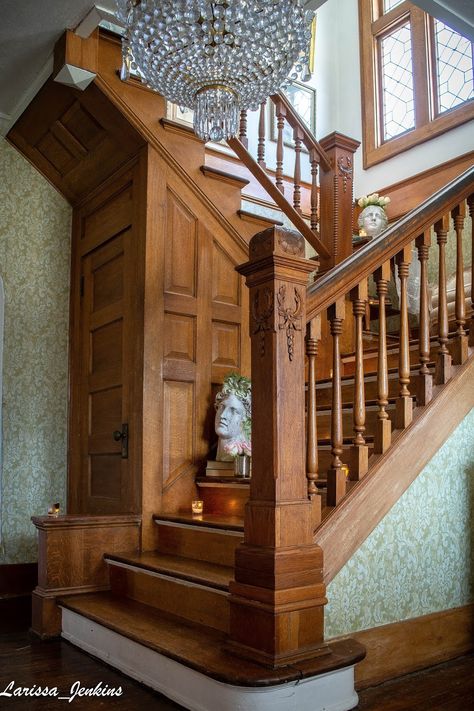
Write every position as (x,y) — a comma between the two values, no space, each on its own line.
(390,4)
(397,82)
(453,67)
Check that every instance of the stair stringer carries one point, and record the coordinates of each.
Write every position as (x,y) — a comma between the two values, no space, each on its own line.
(347,527)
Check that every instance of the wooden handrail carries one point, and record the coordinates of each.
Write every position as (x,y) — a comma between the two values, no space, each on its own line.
(258,172)
(295,121)
(341,279)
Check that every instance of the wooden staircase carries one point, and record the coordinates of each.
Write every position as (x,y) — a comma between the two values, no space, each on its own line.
(230,604)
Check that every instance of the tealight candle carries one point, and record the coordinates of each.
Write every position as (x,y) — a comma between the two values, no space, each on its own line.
(197,506)
(54,510)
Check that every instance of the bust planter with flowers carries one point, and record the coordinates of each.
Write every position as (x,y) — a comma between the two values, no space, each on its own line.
(373,218)
(233,423)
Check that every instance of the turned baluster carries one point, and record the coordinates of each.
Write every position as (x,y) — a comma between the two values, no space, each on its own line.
(460,343)
(424,381)
(243,128)
(443,361)
(261,136)
(383,430)
(313,335)
(470,202)
(314,160)
(336,483)
(280,114)
(298,139)
(359,451)
(404,403)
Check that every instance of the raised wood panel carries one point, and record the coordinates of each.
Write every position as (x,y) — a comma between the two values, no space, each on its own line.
(108,219)
(180,337)
(181,247)
(178,426)
(226,345)
(83,126)
(106,476)
(56,153)
(108,287)
(225,280)
(106,410)
(104,341)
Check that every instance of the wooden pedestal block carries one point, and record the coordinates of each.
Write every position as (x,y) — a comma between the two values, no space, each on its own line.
(460,349)
(358,462)
(383,436)
(443,369)
(404,412)
(277,603)
(424,389)
(337,484)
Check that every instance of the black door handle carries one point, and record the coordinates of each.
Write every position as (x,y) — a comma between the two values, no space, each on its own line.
(122,435)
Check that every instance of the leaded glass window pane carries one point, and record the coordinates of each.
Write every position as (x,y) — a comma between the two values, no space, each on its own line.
(453,67)
(397,82)
(390,4)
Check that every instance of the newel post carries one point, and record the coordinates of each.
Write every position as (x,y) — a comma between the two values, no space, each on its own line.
(277,598)
(336,197)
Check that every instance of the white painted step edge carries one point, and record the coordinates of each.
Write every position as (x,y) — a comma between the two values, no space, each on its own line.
(195,691)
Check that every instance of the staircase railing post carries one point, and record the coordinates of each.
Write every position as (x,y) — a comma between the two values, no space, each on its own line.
(336,198)
(278,595)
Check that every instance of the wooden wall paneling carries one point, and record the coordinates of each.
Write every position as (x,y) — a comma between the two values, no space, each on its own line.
(407,194)
(153,344)
(71,560)
(202,336)
(76,139)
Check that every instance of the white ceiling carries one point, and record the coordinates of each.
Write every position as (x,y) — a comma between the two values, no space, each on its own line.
(29,30)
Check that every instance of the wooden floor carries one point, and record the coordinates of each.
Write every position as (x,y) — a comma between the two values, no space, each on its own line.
(447,687)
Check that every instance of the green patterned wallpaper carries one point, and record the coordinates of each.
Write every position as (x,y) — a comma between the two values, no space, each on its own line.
(34,264)
(420,558)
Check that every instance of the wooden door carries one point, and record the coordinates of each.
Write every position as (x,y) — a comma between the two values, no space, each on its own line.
(103,463)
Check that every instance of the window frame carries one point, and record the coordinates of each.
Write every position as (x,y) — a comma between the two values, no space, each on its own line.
(373,25)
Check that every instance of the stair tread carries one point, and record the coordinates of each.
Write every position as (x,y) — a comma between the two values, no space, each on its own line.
(197,571)
(198,647)
(229,523)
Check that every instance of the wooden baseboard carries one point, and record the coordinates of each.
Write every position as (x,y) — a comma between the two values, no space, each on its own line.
(404,647)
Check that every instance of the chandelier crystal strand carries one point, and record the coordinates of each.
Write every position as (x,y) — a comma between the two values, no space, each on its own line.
(218,57)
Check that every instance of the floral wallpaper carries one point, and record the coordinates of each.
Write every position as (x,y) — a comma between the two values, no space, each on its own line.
(420,558)
(34,265)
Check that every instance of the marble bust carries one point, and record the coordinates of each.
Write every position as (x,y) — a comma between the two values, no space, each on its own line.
(372,221)
(232,420)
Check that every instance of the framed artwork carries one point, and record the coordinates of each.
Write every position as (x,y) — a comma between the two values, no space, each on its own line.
(303,100)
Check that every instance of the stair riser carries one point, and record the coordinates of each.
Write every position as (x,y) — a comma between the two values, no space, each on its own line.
(371,359)
(192,542)
(195,603)
(324,423)
(225,501)
(324,394)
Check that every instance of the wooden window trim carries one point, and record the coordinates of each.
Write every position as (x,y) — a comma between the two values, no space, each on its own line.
(372,25)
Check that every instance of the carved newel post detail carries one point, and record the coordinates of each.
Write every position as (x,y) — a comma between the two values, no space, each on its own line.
(277,598)
(336,197)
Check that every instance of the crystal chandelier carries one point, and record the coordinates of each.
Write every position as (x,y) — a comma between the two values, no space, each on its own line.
(216,57)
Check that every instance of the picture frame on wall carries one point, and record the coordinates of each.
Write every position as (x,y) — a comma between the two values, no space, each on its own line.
(303,100)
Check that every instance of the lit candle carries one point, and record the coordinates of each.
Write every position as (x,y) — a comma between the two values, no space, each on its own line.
(197,506)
